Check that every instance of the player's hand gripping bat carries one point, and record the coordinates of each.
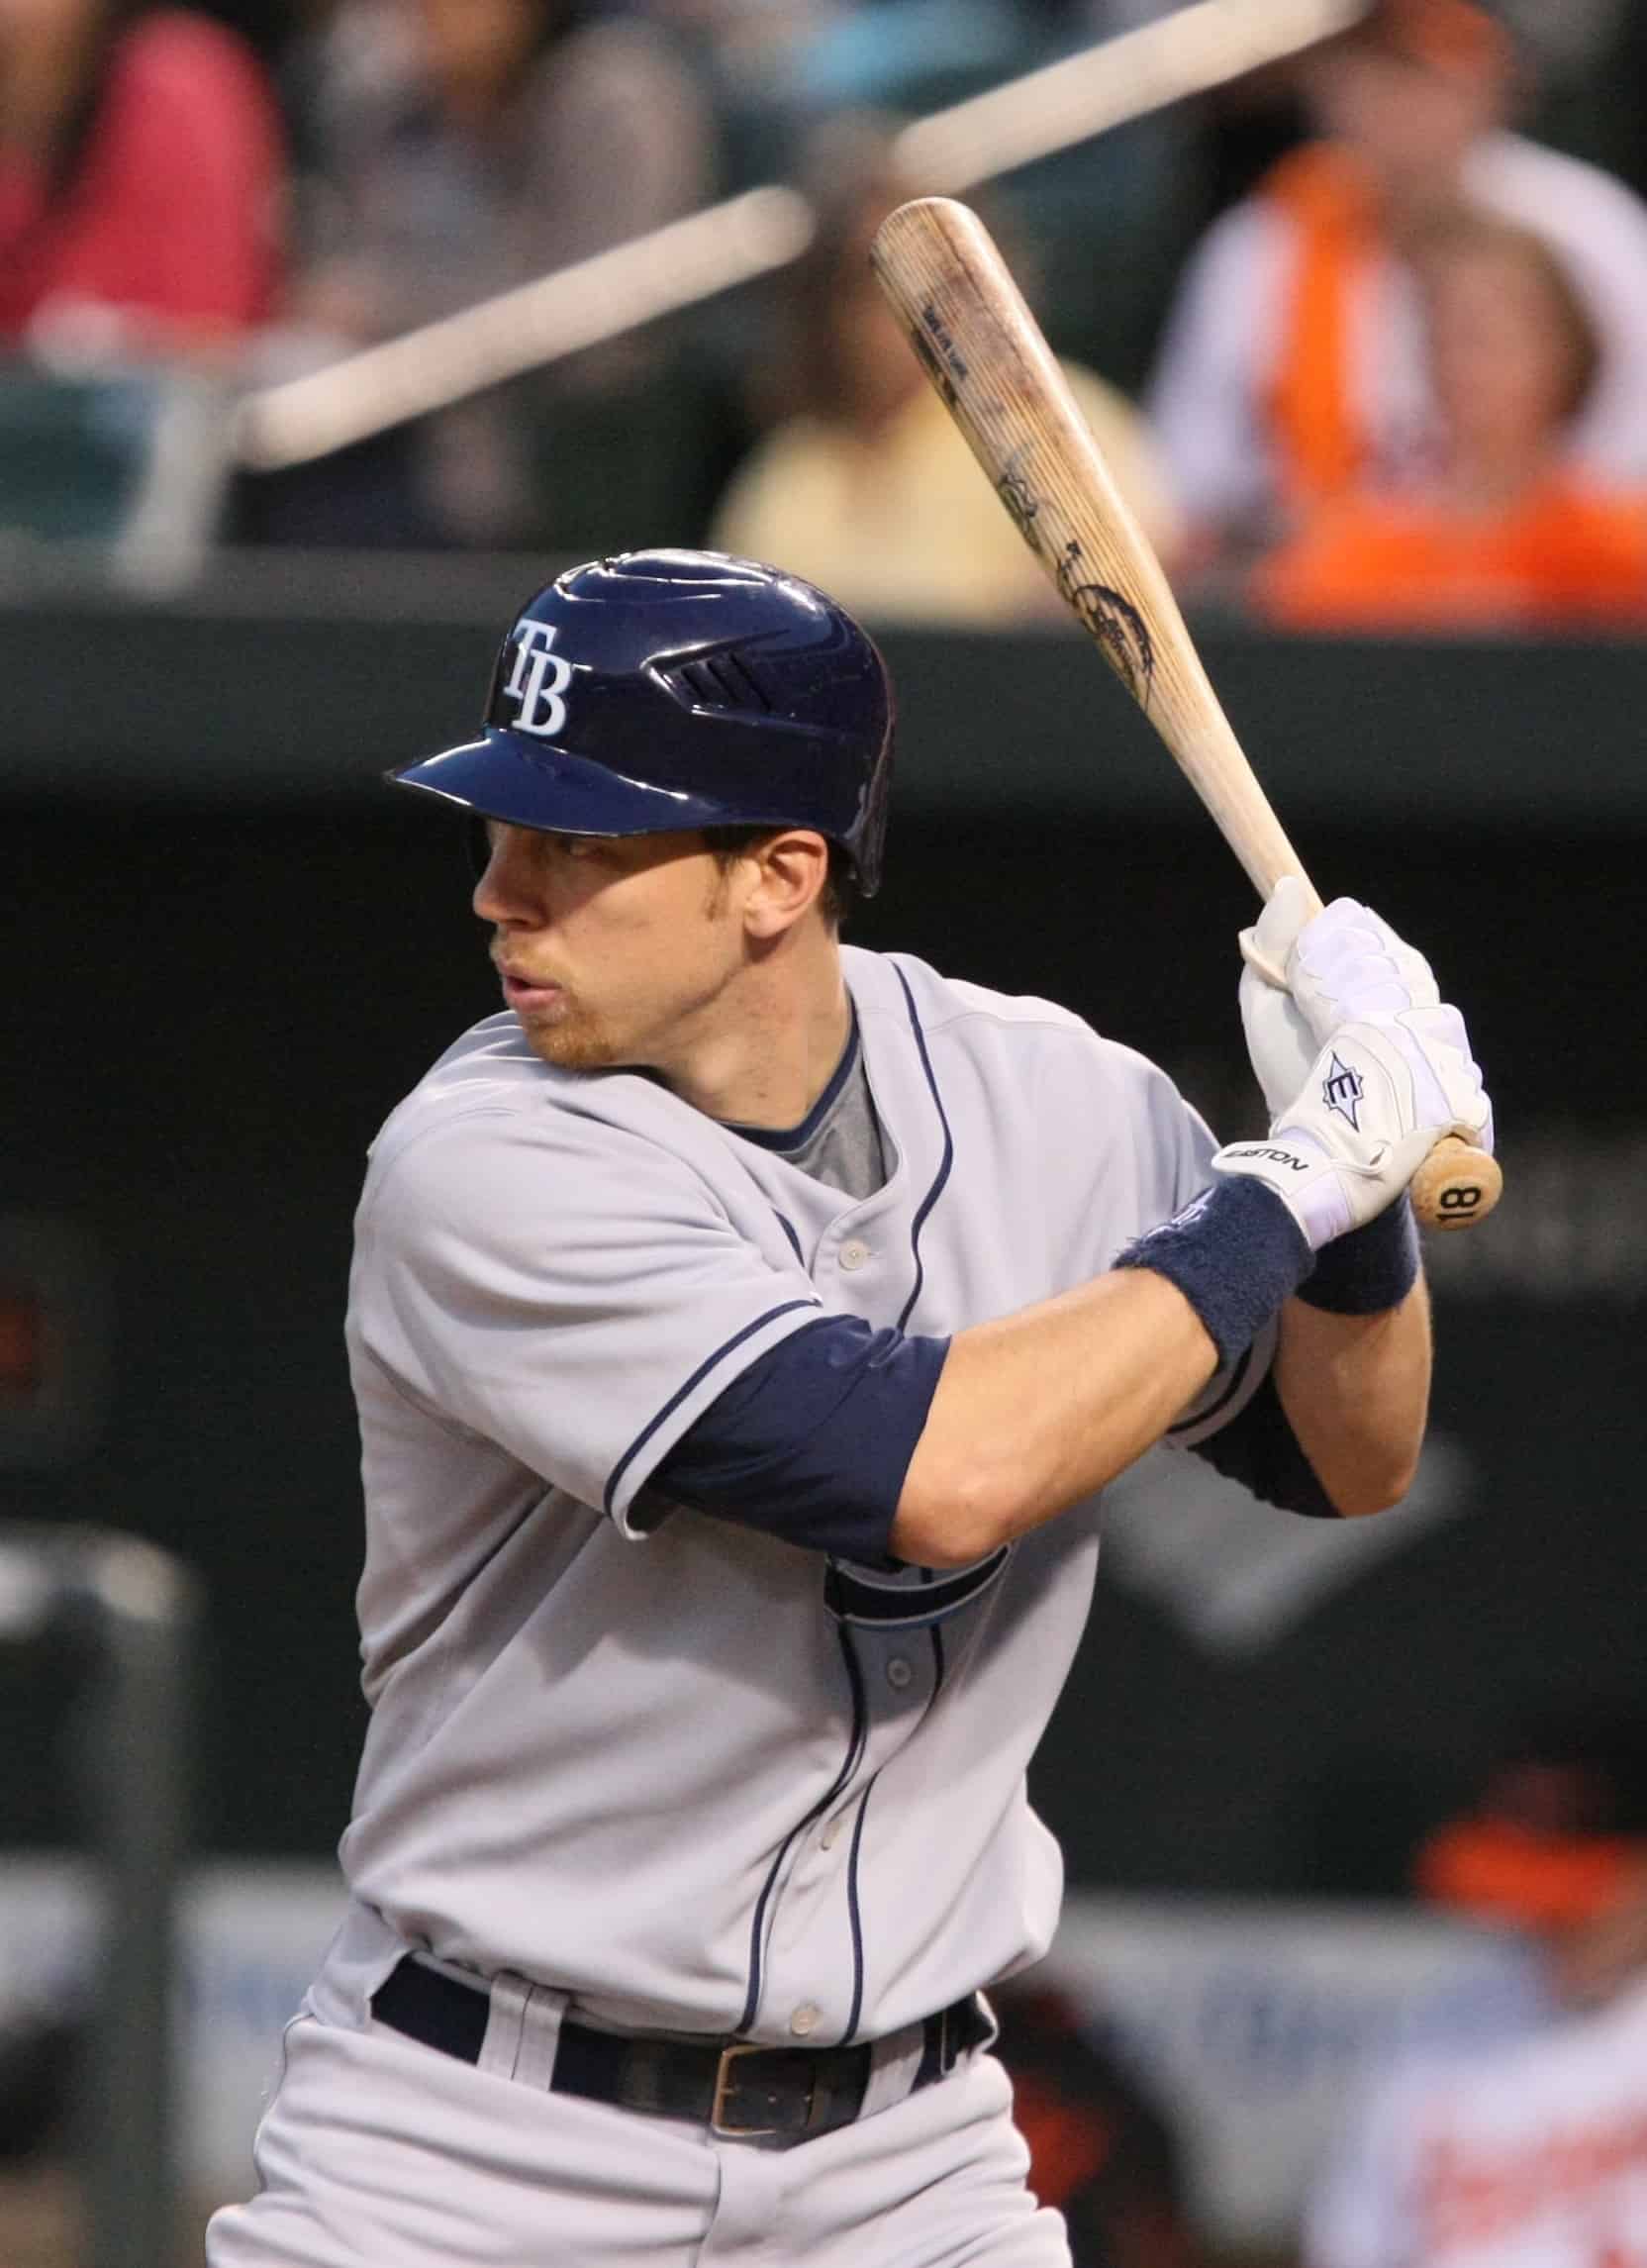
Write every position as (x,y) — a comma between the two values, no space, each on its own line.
(984,352)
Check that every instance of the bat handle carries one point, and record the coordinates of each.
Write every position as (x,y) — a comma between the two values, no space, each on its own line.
(1455,1185)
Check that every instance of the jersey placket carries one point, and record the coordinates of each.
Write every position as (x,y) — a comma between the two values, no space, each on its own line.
(820,1934)
(821,1882)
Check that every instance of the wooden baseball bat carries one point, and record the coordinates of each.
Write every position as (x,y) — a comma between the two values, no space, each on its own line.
(984,354)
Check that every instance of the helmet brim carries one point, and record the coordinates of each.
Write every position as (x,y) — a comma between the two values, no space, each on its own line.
(538,785)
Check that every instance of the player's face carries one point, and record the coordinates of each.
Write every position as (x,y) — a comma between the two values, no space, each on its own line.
(611,950)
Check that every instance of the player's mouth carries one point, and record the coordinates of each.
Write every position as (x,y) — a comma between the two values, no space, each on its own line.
(524,993)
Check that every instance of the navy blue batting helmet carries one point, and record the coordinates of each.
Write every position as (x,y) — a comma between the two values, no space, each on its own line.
(681,689)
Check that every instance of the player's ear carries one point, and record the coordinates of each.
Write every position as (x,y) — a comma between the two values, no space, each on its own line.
(794,867)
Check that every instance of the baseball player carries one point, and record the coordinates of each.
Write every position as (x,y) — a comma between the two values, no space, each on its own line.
(743,1329)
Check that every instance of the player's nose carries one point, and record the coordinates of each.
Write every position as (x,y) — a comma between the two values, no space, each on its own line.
(505,894)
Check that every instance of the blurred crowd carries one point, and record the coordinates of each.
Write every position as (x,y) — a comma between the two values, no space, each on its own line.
(1504,2133)
(1525,2148)
(1364,335)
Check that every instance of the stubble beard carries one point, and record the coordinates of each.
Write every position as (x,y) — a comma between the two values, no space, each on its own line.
(581,1040)
(576,1037)
(575,1040)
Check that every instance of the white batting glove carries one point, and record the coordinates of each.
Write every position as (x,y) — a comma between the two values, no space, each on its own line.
(1281,1044)
(1346,966)
(1378,1098)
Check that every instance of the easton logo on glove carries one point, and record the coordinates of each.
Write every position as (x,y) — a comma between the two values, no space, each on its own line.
(1342,1091)
(1287,1158)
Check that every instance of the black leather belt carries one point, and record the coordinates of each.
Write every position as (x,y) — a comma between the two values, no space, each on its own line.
(735,2086)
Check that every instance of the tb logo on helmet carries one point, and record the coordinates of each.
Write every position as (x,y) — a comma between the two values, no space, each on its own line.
(539,678)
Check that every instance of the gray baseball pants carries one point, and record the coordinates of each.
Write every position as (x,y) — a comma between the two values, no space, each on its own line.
(379,2152)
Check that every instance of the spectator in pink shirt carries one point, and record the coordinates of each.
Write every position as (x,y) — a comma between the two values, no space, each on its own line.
(140,170)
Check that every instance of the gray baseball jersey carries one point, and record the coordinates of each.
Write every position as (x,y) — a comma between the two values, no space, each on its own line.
(697,1776)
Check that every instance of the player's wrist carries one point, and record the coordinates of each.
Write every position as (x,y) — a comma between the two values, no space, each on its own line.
(1369,1269)
(1237,1254)
(1303,1175)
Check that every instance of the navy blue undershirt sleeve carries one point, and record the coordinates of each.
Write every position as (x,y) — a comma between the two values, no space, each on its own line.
(1259,1449)
(811,1442)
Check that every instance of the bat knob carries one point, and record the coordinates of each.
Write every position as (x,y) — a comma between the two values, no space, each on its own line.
(1455,1185)
(1273,971)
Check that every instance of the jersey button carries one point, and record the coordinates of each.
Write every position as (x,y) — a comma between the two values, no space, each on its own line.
(853,1254)
(898,1673)
(832,1831)
(805,2019)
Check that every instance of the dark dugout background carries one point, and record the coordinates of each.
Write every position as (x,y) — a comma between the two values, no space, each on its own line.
(226,953)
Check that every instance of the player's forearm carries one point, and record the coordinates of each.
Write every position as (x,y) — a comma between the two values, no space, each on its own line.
(1038,1409)
(1356,1393)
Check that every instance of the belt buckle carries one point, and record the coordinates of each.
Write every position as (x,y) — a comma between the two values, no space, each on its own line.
(724,2081)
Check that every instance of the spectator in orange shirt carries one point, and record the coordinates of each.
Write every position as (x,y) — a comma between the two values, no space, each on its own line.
(1508,534)
(140,177)
(1291,369)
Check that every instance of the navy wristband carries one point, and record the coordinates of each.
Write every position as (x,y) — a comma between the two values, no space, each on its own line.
(1369,1269)
(1235,1252)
